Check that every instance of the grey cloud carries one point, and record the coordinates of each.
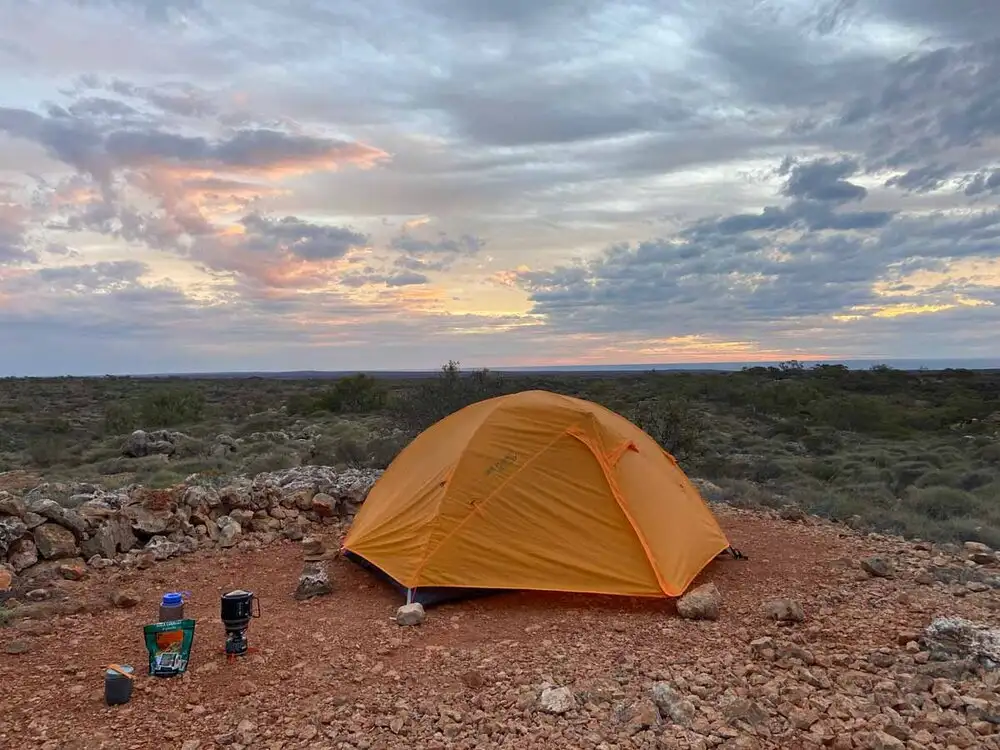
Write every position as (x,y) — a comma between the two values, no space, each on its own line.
(371,277)
(97,106)
(464,245)
(559,108)
(822,180)
(732,275)
(814,185)
(89,148)
(984,182)
(13,242)
(156,11)
(923,179)
(771,63)
(922,112)
(301,238)
(177,98)
(433,255)
(522,14)
(955,21)
(93,277)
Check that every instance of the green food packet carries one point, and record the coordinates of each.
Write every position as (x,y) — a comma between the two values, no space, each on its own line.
(169,646)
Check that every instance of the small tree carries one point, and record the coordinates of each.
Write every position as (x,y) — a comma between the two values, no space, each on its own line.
(357,394)
(432,400)
(671,423)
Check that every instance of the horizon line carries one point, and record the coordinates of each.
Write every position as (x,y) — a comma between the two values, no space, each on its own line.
(985,363)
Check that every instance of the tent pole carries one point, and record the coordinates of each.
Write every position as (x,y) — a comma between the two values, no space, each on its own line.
(409,596)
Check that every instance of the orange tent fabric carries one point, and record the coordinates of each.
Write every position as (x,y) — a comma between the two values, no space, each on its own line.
(537,490)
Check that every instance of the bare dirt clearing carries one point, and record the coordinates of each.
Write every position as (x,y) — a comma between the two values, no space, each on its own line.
(336,671)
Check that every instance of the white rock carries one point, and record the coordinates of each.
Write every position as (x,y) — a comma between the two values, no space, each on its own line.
(410,614)
(557,700)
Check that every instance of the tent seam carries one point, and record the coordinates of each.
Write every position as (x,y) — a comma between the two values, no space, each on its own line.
(443,494)
(485,501)
(616,493)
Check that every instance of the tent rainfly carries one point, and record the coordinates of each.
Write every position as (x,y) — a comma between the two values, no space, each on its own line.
(534,490)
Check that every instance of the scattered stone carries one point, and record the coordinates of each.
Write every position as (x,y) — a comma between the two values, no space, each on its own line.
(792,513)
(701,603)
(877,567)
(948,638)
(410,614)
(72,571)
(557,700)
(16,647)
(672,704)
(784,610)
(473,679)
(124,599)
(977,547)
(314,581)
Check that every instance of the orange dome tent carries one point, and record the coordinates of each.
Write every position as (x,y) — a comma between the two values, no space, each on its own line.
(535,490)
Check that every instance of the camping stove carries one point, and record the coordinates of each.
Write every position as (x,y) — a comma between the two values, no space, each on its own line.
(237,610)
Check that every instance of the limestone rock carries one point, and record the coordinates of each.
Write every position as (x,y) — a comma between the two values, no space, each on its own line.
(557,700)
(229,531)
(113,536)
(957,638)
(11,529)
(11,505)
(701,603)
(162,548)
(54,512)
(53,541)
(877,567)
(314,581)
(313,549)
(323,505)
(672,704)
(784,610)
(410,614)
(23,554)
(124,599)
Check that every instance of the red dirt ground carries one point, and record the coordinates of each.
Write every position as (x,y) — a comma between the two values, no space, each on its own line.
(336,669)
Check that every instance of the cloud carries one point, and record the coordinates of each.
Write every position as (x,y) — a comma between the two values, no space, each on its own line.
(766,278)
(822,180)
(90,148)
(432,255)
(12,235)
(578,178)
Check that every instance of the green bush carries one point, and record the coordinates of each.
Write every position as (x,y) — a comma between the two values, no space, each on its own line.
(942,503)
(433,399)
(120,418)
(47,450)
(171,407)
(358,394)
(672,423)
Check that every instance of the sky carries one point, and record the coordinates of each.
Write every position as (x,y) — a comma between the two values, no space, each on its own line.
(213,185)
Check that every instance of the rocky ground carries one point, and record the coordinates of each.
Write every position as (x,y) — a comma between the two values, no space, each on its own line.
(819,640)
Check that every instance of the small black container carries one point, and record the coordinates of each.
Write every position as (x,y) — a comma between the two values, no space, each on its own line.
(118,687)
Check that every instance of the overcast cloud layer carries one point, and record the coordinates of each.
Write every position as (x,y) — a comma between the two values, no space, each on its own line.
(189,185)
